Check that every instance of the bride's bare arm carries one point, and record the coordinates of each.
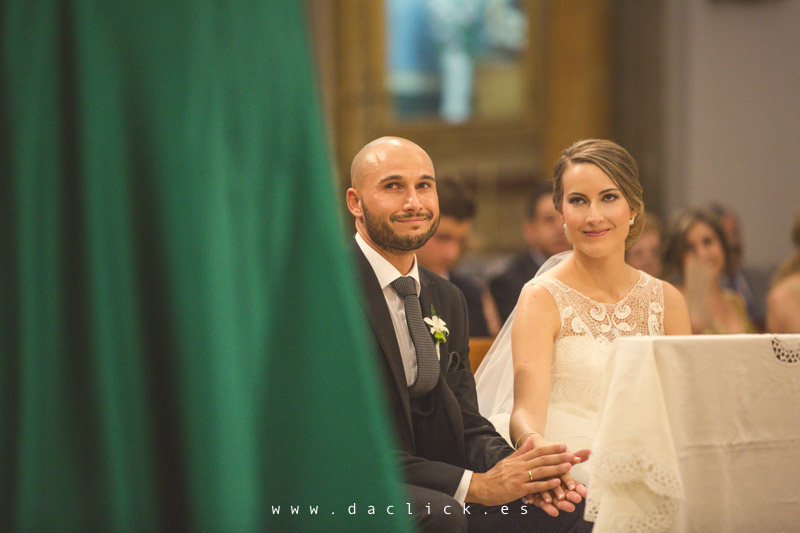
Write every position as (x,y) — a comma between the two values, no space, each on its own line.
(676,314)
(536,324)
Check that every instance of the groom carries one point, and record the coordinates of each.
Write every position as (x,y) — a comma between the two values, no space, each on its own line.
(459,471)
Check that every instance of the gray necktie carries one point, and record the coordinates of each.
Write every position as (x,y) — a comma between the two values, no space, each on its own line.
(427,362)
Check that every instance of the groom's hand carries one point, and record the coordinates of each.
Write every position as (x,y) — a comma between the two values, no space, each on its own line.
(526,471)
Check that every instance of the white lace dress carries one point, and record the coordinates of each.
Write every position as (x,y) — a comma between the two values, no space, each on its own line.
(580,353)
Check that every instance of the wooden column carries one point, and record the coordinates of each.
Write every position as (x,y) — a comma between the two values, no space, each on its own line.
(578,75)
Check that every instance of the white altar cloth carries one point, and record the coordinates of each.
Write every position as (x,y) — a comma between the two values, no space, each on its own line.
(698,433)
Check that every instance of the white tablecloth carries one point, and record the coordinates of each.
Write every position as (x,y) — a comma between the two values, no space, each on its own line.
(699,433)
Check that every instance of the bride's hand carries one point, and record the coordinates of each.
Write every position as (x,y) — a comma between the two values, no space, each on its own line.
(571,499)
(581,456)
(557,494)
(563,496)
(552,507)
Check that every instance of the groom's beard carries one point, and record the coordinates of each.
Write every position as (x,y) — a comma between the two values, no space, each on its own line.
(382,234)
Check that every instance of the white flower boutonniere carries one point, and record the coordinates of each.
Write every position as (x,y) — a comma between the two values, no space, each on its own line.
(438,329)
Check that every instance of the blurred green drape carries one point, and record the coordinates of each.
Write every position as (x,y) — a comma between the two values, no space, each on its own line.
(182,347)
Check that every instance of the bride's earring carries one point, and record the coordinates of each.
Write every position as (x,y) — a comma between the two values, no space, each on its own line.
(631,221)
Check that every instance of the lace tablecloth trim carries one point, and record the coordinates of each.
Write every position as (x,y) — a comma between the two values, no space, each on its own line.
(660,518)
(614,474)
(784,351)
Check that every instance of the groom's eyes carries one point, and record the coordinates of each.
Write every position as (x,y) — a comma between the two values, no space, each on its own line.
(420,185)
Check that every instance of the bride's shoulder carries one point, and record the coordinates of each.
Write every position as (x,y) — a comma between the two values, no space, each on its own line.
(676,313)
(538,296)
(671,293)
(537,312)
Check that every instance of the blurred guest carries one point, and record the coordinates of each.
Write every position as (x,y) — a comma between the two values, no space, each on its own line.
(646,253)
(733,277)
(543,229)
(696,257)
(442,251)
(783,300)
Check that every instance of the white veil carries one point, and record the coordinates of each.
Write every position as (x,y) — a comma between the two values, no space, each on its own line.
(494,378)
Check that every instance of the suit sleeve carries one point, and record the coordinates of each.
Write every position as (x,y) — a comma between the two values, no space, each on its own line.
(434,475)
(483,445)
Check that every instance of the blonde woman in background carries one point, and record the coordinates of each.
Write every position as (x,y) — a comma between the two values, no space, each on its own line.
(783,300)
(696,256)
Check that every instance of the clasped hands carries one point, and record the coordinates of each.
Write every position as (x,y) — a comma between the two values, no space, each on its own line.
(568,492)
(539,474)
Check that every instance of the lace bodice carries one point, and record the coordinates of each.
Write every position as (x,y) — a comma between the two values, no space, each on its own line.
(587,330)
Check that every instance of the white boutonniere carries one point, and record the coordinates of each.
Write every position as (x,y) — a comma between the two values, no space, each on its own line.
(438,329)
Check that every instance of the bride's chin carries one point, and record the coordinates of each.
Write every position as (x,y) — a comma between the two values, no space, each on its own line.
(595,252)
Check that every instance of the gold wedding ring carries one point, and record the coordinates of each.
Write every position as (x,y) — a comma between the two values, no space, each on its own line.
(530,475)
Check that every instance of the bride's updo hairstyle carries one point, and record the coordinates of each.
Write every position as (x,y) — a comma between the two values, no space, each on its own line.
(617,164)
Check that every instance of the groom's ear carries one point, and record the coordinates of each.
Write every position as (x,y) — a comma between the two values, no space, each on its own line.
(354,203)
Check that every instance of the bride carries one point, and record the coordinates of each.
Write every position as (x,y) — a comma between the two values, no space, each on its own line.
(566,318)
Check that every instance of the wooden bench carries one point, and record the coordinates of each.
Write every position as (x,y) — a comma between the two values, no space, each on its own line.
(478,346)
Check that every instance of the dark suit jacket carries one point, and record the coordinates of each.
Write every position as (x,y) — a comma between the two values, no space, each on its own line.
(505,288)
(434,450)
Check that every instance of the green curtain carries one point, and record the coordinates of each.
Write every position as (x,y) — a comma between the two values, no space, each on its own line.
(182,344)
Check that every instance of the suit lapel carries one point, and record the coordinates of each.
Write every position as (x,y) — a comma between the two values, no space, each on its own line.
(381,321)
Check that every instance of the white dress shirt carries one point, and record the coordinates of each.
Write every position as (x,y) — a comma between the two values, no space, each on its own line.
(386,274)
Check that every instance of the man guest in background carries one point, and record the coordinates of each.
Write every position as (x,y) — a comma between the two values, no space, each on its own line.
(543,229)
(448,453)
(443,250)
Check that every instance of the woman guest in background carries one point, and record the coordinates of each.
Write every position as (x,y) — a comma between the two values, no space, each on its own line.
(542,379)
(645,254)
(783,300)
(696,256)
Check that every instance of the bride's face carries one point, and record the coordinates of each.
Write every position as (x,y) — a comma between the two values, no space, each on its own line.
(596,213)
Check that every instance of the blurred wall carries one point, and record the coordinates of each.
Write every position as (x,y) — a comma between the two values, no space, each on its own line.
(706,96)
(732,115)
